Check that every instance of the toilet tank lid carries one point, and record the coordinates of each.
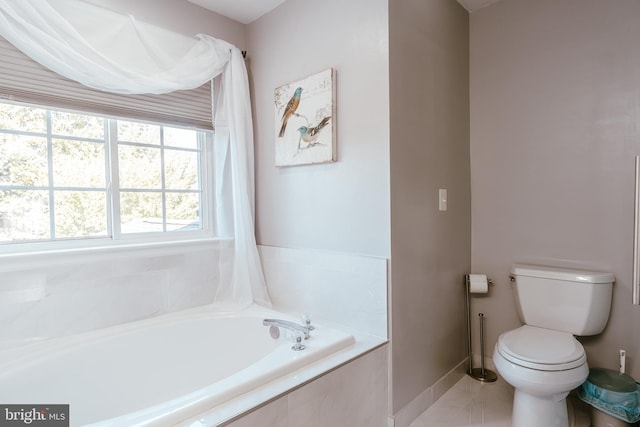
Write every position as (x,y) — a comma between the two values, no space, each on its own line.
(583,276)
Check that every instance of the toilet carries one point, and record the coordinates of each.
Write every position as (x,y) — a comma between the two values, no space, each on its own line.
(542,359)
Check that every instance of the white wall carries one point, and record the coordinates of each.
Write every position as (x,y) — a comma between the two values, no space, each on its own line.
(181,16)
(343,206)
(327,211)
(53,295)
(347,289)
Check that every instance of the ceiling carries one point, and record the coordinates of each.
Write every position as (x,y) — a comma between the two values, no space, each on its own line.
(473,5)
(246,11)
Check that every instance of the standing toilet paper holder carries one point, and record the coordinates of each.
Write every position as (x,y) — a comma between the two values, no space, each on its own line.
(480,374)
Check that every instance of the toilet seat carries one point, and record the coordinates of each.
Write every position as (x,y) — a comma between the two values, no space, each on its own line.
(541,349)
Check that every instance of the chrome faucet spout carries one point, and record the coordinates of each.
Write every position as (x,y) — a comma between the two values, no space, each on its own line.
(285,324)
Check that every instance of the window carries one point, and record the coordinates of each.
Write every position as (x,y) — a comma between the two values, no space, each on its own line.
(68,175)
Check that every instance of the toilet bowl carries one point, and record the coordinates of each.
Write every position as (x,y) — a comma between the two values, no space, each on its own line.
(543,366)
(542,360)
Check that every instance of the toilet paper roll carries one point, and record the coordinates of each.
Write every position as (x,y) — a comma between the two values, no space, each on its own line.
(478,284)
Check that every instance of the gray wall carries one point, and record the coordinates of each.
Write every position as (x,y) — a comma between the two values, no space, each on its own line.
(342,206)
(555,107)
(430,250)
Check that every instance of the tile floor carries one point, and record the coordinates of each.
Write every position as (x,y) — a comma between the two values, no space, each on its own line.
(471,403)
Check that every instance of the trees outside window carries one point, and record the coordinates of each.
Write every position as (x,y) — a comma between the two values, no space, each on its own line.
(69,175)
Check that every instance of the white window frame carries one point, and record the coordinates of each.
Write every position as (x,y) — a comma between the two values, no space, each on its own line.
(114,236)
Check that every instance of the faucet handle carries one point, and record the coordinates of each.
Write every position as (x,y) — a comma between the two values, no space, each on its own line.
(297,342)
(306,320)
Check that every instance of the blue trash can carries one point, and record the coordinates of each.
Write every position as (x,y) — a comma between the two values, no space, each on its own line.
(614,398)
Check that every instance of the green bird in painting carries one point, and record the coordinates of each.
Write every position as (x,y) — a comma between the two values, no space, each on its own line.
(310,134)
(290,110)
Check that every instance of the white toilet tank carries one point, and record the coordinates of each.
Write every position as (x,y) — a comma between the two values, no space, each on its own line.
(573,301)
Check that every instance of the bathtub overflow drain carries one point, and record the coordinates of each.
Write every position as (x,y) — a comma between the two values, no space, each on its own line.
(274,331)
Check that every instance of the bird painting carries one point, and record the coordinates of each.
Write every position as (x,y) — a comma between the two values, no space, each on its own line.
(290,110)
(310,134)
(304,120)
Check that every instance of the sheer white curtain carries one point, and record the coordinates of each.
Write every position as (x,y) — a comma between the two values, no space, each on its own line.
(113,52)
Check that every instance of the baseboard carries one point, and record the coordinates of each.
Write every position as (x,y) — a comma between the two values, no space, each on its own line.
(428,397)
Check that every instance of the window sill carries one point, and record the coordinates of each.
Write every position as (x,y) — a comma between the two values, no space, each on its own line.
(15,260)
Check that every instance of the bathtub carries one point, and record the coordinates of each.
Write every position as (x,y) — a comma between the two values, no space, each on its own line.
(160,371)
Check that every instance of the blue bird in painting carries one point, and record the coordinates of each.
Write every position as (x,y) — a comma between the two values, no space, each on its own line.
(310,134)
(290,110)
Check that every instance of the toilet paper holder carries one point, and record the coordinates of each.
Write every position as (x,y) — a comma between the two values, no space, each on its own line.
(480,374)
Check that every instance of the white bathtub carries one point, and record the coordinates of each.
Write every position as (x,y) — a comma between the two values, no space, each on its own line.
(160,371)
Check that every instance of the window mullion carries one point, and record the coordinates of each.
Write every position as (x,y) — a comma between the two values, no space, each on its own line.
(114,181)
(52,209)
(205,181)
(162,181)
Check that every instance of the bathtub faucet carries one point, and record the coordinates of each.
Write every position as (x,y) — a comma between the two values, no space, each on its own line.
(278,323)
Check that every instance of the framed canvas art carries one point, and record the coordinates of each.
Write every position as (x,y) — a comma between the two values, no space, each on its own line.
(305,121)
